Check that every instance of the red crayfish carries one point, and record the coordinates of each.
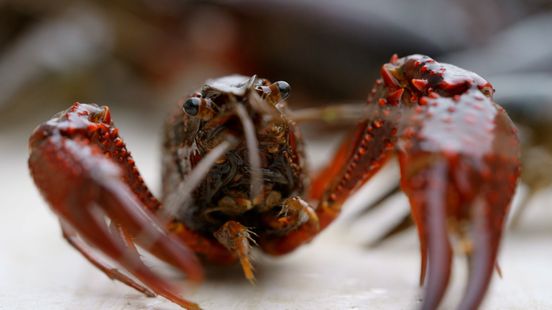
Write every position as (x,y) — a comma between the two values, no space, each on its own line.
(235,177)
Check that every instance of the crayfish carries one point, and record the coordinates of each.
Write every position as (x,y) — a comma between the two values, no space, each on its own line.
(235,177)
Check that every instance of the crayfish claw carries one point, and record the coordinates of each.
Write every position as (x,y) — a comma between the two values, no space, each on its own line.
(84,171)
(91,226)
(427,192)
(72,238)
(442,207)
(481,257)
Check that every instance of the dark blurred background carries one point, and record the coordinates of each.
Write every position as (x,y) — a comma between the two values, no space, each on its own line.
(143,55)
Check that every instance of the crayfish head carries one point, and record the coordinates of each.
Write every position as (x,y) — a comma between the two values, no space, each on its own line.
(262,164)
(218,98)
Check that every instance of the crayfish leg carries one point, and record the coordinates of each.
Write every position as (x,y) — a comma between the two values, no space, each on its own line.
(357,159)
(323,178)
(237,239)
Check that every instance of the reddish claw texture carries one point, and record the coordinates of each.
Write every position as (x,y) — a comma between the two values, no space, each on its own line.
(83,169)
(459,159)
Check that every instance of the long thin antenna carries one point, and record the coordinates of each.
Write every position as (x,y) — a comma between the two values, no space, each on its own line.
(252,151)
(183,194)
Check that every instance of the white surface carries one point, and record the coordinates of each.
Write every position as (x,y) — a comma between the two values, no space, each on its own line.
(38,270)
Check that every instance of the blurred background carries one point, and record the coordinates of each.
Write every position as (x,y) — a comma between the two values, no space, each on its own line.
(140,57)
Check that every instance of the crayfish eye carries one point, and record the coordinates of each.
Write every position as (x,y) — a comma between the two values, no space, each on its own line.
(191,106)
(284,89)
(487,90)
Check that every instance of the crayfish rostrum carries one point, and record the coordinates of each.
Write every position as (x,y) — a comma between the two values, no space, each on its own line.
(235,177)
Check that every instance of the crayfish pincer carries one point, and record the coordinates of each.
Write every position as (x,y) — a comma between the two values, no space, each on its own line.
(235,177)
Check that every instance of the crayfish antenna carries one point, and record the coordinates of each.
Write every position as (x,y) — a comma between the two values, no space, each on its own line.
(256,187)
